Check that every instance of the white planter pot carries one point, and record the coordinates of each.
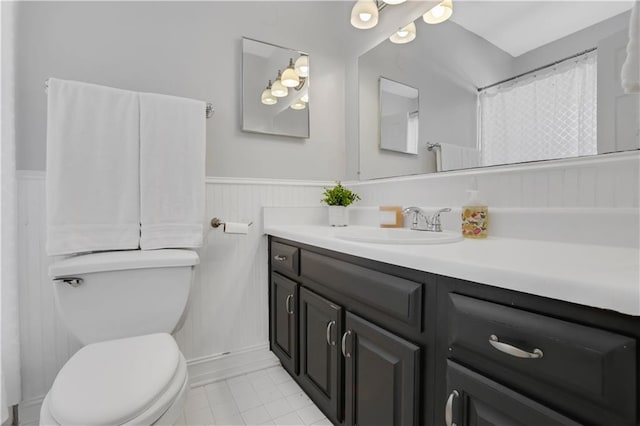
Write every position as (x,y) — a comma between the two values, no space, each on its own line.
(338,216)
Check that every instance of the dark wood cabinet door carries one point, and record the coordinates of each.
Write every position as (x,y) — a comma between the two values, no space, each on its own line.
(284,321)
(320,363)
(382,375)
(475,400)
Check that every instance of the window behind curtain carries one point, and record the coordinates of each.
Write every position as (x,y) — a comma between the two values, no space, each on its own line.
(543,115)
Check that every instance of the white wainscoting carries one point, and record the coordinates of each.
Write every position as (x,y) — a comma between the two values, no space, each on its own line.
(226,328)
(604,181)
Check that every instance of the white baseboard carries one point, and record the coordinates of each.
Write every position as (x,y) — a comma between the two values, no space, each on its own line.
(202,370)
(218,367)
(29,411)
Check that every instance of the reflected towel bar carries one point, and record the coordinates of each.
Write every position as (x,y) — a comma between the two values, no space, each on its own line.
(208,109)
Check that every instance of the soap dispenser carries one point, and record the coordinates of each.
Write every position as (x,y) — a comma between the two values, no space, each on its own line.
(475,214)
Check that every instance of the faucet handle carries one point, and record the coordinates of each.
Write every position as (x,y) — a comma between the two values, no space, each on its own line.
(435,219)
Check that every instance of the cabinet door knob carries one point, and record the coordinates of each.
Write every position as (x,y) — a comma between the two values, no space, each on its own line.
(344,344)
(512,350)
(330,341)
(280,257)
(288,304)
(448,409)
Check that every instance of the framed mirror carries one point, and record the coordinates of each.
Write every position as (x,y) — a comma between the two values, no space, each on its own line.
(275,89)
(399,116)
(504,82)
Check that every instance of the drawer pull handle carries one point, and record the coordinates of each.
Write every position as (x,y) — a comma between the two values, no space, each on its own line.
(448,409)
(512,350)
(344,344)
(330,342)
(280,257)
(288,304)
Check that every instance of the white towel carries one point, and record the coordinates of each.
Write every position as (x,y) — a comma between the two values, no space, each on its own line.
(456,157)
(172,158)
(92,168)
(451,156)
(631,68)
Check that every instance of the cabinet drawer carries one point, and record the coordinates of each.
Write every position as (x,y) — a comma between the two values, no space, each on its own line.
(558,362)
(397,297)
(285,258)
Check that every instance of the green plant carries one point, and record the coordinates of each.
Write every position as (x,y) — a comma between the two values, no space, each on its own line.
(339,196)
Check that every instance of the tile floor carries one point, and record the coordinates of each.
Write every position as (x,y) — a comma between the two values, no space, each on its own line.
(264,397)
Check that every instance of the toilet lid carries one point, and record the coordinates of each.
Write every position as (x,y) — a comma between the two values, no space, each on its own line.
(109,383)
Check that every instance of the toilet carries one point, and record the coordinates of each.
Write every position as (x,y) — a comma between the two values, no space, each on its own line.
(122,306)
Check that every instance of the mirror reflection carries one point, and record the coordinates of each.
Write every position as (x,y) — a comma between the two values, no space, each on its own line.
(504,82)
(399,119)
(275,89)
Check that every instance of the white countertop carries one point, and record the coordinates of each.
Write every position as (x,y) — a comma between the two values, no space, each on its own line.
(599,276)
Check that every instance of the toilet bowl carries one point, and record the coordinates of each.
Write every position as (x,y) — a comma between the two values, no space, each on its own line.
(122,305)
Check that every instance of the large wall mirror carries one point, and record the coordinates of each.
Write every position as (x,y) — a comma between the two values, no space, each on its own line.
(275,90)
(504,82)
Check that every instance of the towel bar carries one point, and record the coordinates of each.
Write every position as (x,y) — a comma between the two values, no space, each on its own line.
(208,109)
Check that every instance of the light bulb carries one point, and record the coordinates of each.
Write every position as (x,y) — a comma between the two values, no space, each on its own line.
(439,13)
(267,97)
(364,14)
(302,66)
(305,98)
(394,1)
(298,105)
(404,34)
(289,76)
(278,89)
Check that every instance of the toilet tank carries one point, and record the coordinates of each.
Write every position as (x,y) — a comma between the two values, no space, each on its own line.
(111,295)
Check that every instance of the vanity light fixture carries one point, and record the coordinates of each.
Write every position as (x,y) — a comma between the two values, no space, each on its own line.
(278,89)
(364,14)
(298,105)
(439,13)
(302,66)
(267,97)
(289,77)
(404,34)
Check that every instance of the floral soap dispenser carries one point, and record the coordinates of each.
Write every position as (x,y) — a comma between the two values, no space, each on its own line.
(475,215)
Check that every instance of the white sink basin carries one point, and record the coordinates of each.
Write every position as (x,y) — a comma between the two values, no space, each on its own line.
(395,235)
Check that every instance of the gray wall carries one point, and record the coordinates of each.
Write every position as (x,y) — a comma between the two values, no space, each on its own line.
(190,49)
(446,63)
(571,44)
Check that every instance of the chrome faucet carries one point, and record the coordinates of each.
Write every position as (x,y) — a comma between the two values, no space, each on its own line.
(422,221)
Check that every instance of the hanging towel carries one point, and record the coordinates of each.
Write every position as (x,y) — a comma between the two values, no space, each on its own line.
(172,156)
(631,67)
(451,156)
(92,168)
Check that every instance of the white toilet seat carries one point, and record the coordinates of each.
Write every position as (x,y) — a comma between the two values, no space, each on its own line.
(139,380)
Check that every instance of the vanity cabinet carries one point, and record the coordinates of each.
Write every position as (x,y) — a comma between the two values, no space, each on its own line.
(356,371)
(377,344)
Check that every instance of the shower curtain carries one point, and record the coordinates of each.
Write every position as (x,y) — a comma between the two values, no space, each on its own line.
(9,327)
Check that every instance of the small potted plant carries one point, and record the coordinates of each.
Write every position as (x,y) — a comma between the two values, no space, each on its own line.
(338,198)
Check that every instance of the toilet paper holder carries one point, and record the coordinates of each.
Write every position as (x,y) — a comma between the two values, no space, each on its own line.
(215,223)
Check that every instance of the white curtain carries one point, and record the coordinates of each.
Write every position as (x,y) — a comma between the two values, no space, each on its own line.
(543,115)
(10,353)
